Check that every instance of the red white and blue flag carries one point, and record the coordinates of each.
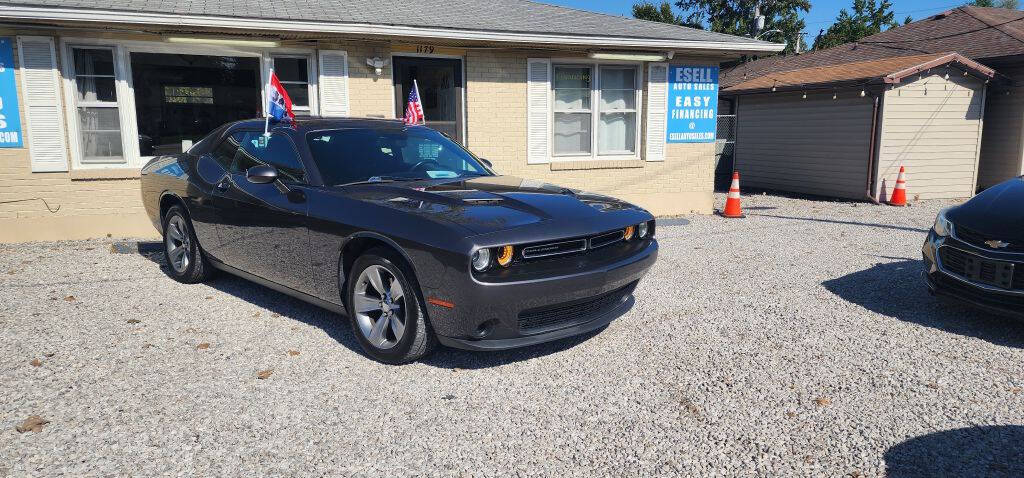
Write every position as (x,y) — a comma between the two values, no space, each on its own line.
(279,103)
(414,109)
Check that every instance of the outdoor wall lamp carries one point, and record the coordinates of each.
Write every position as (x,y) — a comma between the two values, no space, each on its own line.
(225,41)
(630,56)
(378,64)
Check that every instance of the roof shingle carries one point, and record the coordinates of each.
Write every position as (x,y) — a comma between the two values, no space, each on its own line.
(978,33)
(512,16)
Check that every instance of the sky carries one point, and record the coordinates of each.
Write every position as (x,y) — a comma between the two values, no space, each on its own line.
(822,14)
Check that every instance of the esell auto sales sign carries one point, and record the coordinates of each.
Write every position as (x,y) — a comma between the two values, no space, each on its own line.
(692,104)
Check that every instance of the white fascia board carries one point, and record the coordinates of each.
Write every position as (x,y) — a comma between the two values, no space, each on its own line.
(175,20)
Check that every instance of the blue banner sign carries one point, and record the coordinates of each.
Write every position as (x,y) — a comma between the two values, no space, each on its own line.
(10,117)
(692,104)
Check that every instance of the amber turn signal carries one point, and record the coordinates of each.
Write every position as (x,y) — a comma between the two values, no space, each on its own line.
(628,233)
(504,256)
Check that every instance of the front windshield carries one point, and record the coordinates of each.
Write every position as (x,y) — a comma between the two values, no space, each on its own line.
(352,155)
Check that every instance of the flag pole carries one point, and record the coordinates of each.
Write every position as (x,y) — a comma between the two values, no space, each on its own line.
(419,99)
(266,105)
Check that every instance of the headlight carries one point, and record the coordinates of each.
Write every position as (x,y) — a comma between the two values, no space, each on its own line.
(481,259)
(942,225)
(504,256)
(641,230)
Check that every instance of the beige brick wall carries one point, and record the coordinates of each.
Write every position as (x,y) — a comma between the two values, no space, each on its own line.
(94,204)
(85,208)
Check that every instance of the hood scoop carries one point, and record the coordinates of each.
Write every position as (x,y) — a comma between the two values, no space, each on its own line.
(472,196)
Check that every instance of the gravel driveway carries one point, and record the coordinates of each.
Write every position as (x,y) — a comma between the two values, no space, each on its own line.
(798,341)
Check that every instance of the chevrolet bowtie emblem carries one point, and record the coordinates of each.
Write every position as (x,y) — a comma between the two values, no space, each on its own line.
(996,244)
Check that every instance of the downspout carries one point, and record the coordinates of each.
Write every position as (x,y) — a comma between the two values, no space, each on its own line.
(869,192)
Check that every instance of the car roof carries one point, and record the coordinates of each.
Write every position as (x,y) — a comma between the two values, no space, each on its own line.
(304,124)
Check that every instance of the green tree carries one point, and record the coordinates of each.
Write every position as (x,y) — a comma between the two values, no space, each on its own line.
(664,14)
(783,22)
(868,18)
(1011,4)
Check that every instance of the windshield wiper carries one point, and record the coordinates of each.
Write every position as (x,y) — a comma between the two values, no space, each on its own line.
(380,179)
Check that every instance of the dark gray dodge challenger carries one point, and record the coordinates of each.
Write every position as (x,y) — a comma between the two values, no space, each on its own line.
(401,229)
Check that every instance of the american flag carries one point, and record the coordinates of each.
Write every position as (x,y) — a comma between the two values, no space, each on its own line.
(414,109)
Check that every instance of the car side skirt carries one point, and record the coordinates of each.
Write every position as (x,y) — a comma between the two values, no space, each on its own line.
(337,308)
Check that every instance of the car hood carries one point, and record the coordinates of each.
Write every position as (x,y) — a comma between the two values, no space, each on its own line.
(494,203)
(997,212)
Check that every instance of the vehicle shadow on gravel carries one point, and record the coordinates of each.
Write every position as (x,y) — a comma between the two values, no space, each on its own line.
(973,451)
(337,326)
(896,289)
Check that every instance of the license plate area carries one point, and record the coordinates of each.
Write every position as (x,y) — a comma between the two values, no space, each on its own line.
(995,273)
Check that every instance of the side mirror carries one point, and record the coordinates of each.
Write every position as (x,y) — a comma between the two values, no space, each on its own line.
(262,174)
(487,162)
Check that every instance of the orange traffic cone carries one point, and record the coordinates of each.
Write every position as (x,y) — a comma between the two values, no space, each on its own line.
(732,201)
(899,193)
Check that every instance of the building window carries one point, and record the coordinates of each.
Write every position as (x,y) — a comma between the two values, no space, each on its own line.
(585,104)
(180,98)
(293,73)
(98,112)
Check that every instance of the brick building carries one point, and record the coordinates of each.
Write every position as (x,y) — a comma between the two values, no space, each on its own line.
(555,94)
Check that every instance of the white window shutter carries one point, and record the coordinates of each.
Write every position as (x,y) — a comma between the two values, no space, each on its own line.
(44,114)
(333,83)
(538,114)
(657,109)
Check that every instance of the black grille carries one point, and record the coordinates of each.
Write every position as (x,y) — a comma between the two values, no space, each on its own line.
(954,260)
(981,269)
(606,239)
(571,312)
(993,299)
(978,239)
(554,249)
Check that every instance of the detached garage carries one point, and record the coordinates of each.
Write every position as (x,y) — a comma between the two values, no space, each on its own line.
(844,130)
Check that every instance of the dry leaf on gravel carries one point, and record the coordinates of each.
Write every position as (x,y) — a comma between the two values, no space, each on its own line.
(203,346)
(256,315)
(147,346)
(33,423)
(209,297)
(791,414)
(293,352)
(823,401)
(932,385)
(1015,390)
(134,321)
(36,363)
(264,374)
(70,298)
(275,314)
(12,272)
(49,354)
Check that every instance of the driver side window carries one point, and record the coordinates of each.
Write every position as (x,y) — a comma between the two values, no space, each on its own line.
(255,149)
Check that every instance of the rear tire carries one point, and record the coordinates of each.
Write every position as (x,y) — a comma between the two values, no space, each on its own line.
(384,306)
(185,261)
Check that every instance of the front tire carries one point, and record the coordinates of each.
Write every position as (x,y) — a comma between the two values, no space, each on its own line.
(387,315)
(184,257)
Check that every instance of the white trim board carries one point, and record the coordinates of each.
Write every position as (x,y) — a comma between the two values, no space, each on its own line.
(176,20)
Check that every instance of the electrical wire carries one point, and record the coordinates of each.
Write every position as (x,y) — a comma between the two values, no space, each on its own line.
(48,208)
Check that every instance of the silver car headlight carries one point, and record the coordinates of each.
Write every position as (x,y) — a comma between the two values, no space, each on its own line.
(481,259)
(942,227)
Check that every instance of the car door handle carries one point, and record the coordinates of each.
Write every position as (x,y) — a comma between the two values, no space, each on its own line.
(223,185)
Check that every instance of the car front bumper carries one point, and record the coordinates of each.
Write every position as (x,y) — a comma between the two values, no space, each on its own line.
(497,316)
(944,282)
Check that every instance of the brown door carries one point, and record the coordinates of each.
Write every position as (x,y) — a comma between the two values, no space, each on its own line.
(440,82)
